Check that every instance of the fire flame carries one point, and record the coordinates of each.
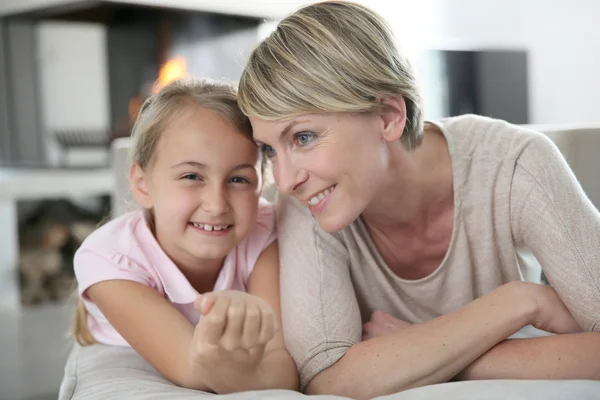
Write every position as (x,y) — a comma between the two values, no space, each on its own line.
(173,69)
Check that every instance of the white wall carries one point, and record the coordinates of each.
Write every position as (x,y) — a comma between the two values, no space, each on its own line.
(562,38)
(73,71)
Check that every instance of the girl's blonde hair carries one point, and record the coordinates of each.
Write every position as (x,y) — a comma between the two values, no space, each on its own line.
(331,56)
(156,113)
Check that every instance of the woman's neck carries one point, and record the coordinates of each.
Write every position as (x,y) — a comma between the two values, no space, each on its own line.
(418,188)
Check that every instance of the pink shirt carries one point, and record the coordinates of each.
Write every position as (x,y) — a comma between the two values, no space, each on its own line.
(125,248)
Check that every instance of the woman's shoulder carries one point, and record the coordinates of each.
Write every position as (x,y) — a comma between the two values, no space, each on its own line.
(294,219)
(471,135)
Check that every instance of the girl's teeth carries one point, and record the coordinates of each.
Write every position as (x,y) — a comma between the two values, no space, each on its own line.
(209,228)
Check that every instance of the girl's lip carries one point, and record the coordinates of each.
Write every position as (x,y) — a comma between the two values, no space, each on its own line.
(212,232)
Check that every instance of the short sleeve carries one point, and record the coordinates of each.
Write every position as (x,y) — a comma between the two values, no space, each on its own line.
(320,314)
(551,215)
(262,235)
(94,265)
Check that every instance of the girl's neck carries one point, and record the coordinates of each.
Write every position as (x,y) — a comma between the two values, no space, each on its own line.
(201,273)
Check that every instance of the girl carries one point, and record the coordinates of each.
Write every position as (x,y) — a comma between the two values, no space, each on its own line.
(191,282)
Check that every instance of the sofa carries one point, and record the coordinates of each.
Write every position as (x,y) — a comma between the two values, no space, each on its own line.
(103,372)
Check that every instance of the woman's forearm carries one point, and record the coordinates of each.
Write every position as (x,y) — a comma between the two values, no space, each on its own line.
(573,356)
(427,353)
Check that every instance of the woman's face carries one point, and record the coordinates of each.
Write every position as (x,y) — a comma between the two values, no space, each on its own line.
(332,163)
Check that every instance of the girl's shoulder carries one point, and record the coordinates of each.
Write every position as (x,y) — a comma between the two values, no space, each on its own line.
(120,234)
(242,259)
(265,220)
(265,229)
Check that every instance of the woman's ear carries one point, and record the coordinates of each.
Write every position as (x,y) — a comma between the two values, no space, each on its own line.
(394,117)
(139,186)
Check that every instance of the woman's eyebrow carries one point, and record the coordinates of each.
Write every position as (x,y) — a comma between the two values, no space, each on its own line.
(289,127)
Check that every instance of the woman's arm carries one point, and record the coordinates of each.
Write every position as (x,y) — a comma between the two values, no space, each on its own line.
(551,215)
(323,325)
(569,356)
(573,356)
(437,350)
(277,369)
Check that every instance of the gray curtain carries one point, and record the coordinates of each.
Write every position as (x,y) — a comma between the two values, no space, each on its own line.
(21,136)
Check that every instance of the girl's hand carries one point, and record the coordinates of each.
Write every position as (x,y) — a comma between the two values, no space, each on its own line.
(234,329)
(382,323)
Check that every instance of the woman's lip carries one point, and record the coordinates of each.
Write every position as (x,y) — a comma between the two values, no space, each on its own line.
(317,208)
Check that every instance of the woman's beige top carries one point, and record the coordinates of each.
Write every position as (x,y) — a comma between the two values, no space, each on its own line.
(513,189)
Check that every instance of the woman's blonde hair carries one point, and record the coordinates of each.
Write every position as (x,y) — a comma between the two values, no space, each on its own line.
(154,116)
(332,56)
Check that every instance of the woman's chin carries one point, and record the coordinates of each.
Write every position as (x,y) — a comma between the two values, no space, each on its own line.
(336,221)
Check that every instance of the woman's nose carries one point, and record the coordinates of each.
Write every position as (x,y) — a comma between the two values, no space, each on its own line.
(287,175)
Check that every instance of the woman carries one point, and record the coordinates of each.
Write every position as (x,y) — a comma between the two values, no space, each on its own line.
(419,221)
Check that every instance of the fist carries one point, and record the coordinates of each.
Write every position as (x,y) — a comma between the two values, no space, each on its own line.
(233,326)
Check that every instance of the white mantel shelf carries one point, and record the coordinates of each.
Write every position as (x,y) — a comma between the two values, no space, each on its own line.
(37,184)
(32,184)
(255,8)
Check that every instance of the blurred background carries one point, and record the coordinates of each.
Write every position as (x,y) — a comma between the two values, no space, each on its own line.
(73,75)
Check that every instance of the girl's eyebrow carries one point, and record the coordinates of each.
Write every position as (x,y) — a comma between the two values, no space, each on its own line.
(243,166)
(190,163)
(198,165)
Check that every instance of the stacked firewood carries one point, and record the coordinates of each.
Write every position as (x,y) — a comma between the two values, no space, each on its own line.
(47,243)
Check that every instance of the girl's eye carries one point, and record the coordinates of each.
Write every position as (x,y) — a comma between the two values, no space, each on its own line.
(239,179)
(268,151)
(193,177)
(304,138)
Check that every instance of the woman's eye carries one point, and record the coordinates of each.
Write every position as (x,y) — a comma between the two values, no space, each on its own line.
(268,151)
(239,179)
(304,138)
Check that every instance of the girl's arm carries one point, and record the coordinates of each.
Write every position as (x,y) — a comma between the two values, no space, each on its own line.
(152,326)
(200,357)
(236,356)
(277,369)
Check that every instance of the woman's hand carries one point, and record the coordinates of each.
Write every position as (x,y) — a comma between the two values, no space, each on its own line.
(382,323)
(551,314)
(232,333)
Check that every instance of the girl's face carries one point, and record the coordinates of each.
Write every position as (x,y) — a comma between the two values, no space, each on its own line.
(203,186)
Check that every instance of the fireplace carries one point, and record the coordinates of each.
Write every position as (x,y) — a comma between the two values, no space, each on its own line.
(131,41)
